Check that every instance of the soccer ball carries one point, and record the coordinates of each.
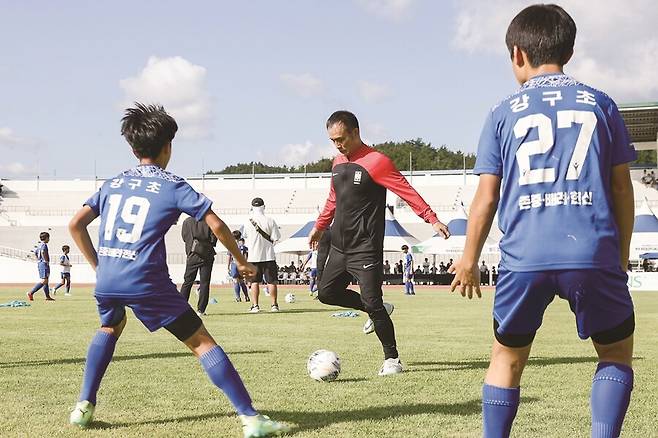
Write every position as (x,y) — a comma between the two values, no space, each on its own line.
(290,298)
(323,366)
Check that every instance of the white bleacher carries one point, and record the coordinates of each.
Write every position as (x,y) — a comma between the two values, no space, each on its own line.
(28,207)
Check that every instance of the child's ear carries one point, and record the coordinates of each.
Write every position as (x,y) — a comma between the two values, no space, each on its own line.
(517,57)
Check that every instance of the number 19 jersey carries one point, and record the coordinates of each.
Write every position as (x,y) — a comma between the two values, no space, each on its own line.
(136,210)
(554,143)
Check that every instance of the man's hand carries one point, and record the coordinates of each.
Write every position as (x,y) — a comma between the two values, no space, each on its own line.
(441,229)
(314,237)
(467,276)
(247,270)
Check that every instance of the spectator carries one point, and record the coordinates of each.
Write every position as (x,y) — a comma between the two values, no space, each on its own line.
(426,266)
(199,247)
(433,269)
(449,265)
(629,268)
(646,266)
(484,273)
(418,271)
(261,232)
(443,269)
(387,267)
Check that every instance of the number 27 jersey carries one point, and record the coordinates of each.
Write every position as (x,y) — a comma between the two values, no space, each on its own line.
(136,210)
(554,143)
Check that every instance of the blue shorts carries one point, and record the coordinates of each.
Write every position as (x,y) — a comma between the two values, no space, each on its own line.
(155,311)
(44,270)
(314,272)
(66,275)
(599,299)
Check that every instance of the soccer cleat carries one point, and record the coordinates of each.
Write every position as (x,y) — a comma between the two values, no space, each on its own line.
(50,299)
(67,294)
(201,313)
(369,326)
(82,415)
(254,309)
(30,296)
(257,426)
(246,299)
(391,366)
(238,300)
(274,308)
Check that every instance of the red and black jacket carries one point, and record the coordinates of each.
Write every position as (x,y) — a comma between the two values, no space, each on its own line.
(357,201)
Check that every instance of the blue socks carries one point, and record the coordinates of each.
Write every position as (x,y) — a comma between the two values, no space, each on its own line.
(46,290)
(99,356)
(611,394)
(409,288)
(223,375)
(236,290)
(499,406)
(36,287)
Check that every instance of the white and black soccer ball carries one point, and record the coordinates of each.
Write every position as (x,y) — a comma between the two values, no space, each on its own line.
(290,298)
(323,366)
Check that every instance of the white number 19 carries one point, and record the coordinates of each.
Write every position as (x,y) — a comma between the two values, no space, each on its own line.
(545,142)
(136,219)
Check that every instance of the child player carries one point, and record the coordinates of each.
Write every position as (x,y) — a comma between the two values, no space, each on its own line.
(65,263)
(136,210)
(408,272)
(238,282)
(312,261)
(43,265)
(560,152)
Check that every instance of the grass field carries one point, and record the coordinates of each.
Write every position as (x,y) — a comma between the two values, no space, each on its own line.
(154,387)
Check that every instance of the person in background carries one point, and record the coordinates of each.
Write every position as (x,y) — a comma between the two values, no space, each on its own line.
(261,232)
(43,266)
(484,273)
(200,248)
(387,267)
(238,282)
(312,261)
(408,272)
(426,266)
(65,263)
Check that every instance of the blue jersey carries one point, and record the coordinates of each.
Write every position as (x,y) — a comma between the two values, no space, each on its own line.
(40,252)
(554,143)
(408,262)
(136,209)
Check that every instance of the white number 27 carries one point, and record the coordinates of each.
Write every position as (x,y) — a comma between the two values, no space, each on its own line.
(545,142)
(136,219)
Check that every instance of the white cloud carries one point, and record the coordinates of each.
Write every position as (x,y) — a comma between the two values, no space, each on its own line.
(16,168)
(388,9)
(373,133)
(179,86)
(373,92)
(304,85)
(294,154)
(9,138)
(616,47)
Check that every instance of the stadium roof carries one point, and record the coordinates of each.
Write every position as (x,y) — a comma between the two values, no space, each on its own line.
(642,122)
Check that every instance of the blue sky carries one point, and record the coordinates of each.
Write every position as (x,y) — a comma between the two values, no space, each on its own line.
(257,79)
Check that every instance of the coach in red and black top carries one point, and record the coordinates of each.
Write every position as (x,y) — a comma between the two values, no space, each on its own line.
(356,204)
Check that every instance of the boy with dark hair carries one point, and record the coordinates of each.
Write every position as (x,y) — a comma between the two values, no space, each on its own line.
(408,272)
(238,282)
(560,151)
(136,209)
(65,263)
(43,265)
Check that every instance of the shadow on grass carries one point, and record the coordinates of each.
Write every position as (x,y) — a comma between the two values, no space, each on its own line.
(81,360)
(102,425)
(305,421)
(478,364)
(266,310)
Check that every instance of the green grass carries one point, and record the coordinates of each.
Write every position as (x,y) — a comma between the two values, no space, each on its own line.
(155,387)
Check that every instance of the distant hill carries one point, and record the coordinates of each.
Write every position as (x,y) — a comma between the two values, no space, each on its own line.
(424,157)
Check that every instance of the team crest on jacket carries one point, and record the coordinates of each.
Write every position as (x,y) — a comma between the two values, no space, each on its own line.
(357,177)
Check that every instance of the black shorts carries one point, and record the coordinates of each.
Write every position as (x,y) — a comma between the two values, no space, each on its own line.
(267,272)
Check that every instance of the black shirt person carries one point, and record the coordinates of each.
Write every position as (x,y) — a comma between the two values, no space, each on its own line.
(357,204)
(199,247)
